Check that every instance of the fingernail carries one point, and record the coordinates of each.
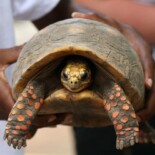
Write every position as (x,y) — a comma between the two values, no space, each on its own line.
(74,14)
(149,82)
(51,119)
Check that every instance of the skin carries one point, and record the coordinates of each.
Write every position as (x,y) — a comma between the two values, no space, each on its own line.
(60,12)
(145,54)
(8,56)
(148,111)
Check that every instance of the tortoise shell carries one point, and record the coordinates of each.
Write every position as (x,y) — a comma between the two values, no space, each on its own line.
(105,46)
(116,91)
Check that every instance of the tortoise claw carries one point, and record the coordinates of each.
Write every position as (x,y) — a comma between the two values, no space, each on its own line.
(132,141)
(129,138)
(21,143)
(119,145)
(9,141)
(136,139)
(15,140)
(14,144)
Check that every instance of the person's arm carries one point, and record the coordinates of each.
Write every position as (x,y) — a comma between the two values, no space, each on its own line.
(7,57)
(60,12)
(149,110)
(138,15)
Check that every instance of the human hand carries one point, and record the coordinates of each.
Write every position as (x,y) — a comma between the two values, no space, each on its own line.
(6,100)
(7,57)
(149,109)
(145,54)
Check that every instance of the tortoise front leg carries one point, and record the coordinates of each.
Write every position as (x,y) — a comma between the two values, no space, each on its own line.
(23,113)
(122,115)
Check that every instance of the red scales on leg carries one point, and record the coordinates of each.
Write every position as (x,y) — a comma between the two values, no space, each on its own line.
(23,113)
(122,115)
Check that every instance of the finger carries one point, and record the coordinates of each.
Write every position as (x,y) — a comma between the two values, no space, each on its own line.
(149,110)
(144,51)
(4,80)
(100,18)
(148,67)
(79,15)
(6,100)
(10,55)
(90,16)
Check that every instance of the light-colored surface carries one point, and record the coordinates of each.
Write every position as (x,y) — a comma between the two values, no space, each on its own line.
(24,30)
(47,141)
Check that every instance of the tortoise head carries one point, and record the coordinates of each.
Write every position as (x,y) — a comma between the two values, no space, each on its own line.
(76,75)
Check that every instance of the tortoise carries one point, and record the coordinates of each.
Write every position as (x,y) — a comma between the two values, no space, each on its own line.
(84,72)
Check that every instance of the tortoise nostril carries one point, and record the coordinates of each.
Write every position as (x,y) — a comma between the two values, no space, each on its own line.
(73,82)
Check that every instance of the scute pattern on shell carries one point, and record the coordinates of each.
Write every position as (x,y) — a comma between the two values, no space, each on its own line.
(99,42)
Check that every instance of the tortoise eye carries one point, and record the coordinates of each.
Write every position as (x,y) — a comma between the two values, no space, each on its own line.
(84,76)
(65,75)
